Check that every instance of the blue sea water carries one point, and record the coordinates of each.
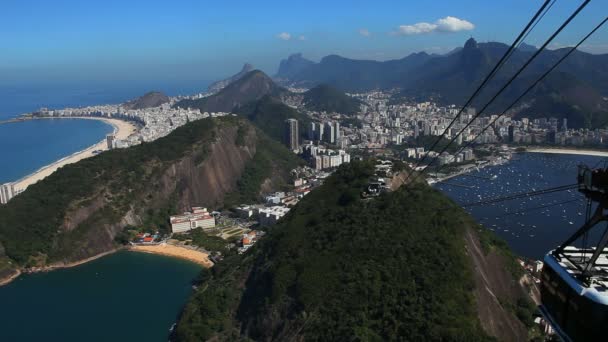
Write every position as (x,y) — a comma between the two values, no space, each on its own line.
(122,297)
(529,232)
(27,146)
(126,296)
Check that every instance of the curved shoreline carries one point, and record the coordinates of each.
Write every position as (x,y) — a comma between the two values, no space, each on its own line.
(55,266)
(6,280)
(581,152)
(171,251)
(175,252)
(122,130)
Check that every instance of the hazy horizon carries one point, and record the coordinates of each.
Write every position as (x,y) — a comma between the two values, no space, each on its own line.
(69,41)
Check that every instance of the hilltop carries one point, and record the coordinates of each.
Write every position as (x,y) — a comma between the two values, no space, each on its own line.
(256,97)
(406,264)
(325,98)
(269,113)
(148,100)
(293,65)
(219,85)
(250,87)
(78,211)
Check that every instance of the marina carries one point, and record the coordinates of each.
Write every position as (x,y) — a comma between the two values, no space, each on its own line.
(532,225)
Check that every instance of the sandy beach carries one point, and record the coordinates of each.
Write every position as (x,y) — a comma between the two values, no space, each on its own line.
(122,130)
(10,278)
(569,151)
(175,251)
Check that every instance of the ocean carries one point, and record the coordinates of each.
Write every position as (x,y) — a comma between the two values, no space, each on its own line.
(27,146)
(125,296)
(19,99)
(122,297)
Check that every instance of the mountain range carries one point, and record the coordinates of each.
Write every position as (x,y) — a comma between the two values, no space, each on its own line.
(577,89)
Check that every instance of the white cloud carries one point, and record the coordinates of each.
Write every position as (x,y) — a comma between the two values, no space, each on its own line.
(284,36)
(453,24)
(595,48)
(447,24)
(365,32)
(301,38)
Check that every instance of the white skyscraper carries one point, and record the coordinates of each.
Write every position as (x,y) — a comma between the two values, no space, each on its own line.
(292,134)
(330,133)
(312,131)
(320,131)
(337,131)
(7,191)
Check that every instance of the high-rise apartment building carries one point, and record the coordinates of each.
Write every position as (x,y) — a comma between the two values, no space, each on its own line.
(292,134)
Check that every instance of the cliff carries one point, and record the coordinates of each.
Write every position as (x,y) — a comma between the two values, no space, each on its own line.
(76,212)
(409,263)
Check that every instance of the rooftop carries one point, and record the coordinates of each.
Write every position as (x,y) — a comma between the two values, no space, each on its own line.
(570,268)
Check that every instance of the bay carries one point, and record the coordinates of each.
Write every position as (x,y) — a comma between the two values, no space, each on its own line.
(532,226)
(125,296)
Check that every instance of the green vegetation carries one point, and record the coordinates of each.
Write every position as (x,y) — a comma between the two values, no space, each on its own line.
(270,158)
(201,239)
(208,310)
(105,187)
(491,242)
(352,121)
(342,268)
(523,308)
(250,88)
(325,98)
(269,114)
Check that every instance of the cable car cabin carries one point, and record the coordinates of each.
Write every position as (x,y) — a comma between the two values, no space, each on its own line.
(577,308)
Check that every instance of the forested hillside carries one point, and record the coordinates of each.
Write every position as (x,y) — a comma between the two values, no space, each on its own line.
(325,98)
(77,211)
(341,268)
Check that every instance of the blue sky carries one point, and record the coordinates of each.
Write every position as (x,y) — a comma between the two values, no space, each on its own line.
(186,40)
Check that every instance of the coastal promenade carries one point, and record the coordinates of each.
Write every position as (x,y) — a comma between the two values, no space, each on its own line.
(569,151)
(122,130)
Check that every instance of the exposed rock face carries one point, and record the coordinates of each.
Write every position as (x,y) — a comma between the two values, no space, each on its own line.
(189,181)
(219,85)
(149,100)
(293,65)
(494,283)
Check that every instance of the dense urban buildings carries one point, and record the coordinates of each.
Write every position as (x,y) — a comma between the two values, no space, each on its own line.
(153,123)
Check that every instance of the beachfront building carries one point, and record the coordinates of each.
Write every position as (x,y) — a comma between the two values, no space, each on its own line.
(7,191)
(110,141)
(198,218)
